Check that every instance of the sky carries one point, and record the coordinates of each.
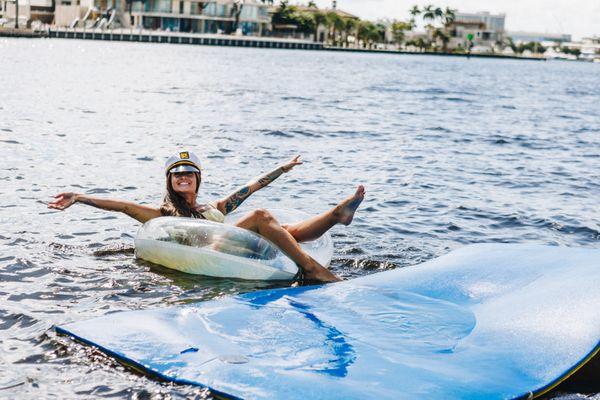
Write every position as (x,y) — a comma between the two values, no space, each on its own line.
(580,18)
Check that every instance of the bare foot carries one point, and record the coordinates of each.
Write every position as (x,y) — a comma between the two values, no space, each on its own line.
(316,273)
(321,277)
(344,212)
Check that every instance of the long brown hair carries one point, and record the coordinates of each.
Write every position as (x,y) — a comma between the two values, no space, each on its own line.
(175,205)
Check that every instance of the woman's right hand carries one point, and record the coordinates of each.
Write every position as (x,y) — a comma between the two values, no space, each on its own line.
(63,200)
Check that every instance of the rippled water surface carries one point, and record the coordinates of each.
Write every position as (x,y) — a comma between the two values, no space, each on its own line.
(452,151)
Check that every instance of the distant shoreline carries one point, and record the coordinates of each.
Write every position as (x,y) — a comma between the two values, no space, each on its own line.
(222,40)
(435,53)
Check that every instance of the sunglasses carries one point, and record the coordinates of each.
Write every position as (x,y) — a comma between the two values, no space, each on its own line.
(184,173)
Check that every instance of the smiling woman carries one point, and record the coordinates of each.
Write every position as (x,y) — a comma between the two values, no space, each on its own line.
(183,180)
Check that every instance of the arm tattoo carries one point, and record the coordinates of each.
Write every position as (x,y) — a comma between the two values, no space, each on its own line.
(89,202)
(236,199)
(270,177)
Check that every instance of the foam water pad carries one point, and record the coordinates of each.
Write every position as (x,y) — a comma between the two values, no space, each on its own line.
(484,322)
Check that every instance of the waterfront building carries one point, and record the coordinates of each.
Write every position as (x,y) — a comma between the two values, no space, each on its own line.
(91,13)
(589,48)
(29,10)
(249,17)
(486,29)
(546,39)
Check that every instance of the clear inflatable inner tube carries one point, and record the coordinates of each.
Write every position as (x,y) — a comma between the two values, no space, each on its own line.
(222,250)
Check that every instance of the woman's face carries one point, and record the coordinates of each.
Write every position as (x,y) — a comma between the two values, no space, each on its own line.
(184,182)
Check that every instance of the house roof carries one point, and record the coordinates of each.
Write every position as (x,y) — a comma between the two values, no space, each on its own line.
(340,13)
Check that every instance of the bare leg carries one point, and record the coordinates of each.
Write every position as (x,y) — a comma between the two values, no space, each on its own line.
(262,222)
(315,227)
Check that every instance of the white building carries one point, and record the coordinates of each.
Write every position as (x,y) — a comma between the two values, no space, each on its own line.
(546,39)
(90,13)
(589,48)
(486,29)
(29,10)
(248,17)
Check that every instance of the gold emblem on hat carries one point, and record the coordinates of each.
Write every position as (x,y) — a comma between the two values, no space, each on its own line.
(184,155)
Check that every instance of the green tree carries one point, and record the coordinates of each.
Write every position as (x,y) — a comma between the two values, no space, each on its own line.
(370,33)
(419,42)
(510,43)
(351,25)
(431,15)
(442,36)
(364,32)
(319,19)
(398,31)
(304,22)
(534,47)
(336,24)
(381,33)
(415,11)
(428,13)
(449,16)
(284,14)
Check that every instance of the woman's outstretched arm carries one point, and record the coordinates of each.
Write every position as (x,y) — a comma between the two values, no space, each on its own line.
(233,201)
(139,212)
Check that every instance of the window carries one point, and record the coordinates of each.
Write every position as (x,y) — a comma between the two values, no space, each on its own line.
(211,9)
(180,6)
(162,6)
(249,12)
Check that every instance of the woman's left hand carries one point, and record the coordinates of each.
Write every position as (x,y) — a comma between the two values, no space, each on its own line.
(287,167)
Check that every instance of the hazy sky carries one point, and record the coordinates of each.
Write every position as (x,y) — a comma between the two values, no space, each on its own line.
(577,17)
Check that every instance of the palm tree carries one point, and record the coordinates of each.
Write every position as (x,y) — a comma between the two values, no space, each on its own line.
(16,14)
(236,10)
(363,32)
(372,33)
(381,32)
(350,28)
(415,11)
(440,34)
(398,29)
(449,16)
(428,13)
(320,20)
(511,44)
(340,27)
(421,43)
(336,24)
(312,4)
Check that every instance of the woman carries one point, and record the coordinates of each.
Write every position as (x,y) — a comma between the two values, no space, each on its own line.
(183,178)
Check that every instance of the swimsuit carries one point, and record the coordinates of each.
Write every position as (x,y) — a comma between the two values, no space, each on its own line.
(211,213)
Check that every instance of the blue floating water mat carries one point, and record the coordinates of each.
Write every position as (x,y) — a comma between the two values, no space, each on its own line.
(484,322)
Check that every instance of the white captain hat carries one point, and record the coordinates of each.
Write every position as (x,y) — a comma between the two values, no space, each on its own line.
(183,161)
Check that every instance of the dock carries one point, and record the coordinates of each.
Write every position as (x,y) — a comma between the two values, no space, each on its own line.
(157,36)
(149,36)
